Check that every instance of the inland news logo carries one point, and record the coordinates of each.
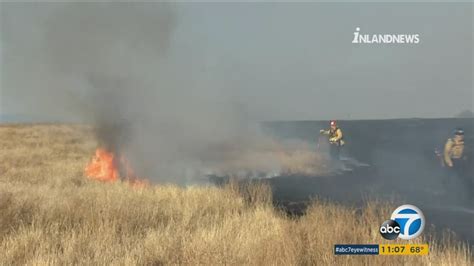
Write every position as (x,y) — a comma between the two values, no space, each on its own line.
(385,38)
(406,222)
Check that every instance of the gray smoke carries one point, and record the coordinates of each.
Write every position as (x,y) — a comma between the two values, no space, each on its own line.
(115,66)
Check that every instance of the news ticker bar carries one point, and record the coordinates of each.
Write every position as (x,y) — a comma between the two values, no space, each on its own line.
(385,249)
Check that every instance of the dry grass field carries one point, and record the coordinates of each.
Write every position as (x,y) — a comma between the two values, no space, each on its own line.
(51,214)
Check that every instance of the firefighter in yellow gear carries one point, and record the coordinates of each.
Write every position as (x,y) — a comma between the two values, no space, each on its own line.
(336,139)
(456,162)
(454,150)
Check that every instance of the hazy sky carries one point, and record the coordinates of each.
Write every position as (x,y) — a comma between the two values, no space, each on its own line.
(287,61)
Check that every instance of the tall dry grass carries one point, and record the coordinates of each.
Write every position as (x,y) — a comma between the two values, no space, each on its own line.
(51,214)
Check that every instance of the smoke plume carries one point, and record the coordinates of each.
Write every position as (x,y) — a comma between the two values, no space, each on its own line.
(115,66)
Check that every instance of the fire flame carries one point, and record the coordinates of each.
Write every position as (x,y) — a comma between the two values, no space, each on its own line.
(105,167)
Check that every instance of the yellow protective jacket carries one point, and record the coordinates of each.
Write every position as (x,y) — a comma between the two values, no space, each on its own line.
(335,136)
(453,150)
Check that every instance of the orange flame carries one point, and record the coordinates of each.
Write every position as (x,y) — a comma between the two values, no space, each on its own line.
(104,167)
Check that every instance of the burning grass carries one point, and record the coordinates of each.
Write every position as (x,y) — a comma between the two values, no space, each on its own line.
(106,166)
(52,214)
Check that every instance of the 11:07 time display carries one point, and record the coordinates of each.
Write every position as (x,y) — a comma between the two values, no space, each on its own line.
(407,249)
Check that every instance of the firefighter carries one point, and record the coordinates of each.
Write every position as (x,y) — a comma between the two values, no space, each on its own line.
(455,160)
(454,150)
(336,140)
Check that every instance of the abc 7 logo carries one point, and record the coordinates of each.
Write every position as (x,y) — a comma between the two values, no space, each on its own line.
(407,222)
